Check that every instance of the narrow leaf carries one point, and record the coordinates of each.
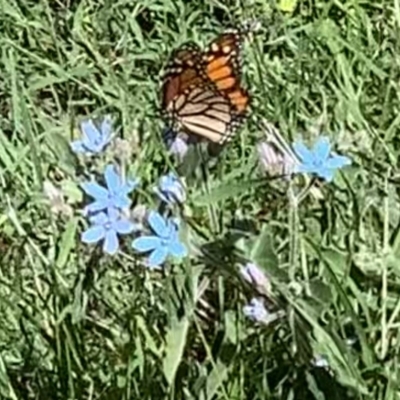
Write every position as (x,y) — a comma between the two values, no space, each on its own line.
(175,344)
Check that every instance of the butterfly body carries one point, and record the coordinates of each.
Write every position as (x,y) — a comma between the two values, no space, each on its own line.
(202,92)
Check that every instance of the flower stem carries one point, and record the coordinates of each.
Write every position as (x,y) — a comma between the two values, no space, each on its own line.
(293,232)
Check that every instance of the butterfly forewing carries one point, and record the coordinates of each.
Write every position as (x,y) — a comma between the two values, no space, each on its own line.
(223,68)
(181,73)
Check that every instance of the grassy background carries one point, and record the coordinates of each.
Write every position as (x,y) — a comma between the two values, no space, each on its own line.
(75,324)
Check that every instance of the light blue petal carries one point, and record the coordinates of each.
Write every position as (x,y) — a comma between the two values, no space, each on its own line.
(174,181)
(248,311)
(174,223)
(128,186)
(78,147)
(96,206)
(146,243)
(177,249)
(96,148)
(164,182)
(157,257)
(306,168)
(170,189)
(322,148)
(255,310)
(158,224)
(336,162)
(326,174)
(303,153)
(111,209)
(93,234)
(94,190)
(123,226)
(113,214)
(167,181)
(91,134)
(172,177)
(173,228)
(99,219)
(113,180)
(106,127)
(121,201)
(111,244)
(179,193)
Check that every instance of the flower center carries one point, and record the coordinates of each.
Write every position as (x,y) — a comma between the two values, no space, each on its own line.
(318,163)
(165,242)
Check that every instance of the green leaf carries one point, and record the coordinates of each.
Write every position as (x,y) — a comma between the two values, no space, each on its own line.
(215,379)
(6,388)
(312,385)
(232,333)
(263,254)
(224,192)
(61,149)
(67,242)
(72,191)
(175,345)
(320,291)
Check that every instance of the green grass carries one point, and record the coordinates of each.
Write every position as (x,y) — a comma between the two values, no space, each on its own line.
(76,324)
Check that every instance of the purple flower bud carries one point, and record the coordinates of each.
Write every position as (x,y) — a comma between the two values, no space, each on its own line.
(252,274)
(273,161)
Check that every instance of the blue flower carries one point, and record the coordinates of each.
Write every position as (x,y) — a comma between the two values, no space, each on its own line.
(257,312)
(107,227)
(318,161)
(114,196)
(93,140)
(170,189)
(165,242)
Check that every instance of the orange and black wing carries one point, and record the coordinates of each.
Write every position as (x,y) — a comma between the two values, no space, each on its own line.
(191,100)
(222,67)
(181,74)
(202,93)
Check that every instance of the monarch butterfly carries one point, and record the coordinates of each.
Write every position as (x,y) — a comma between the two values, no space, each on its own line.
(202,92)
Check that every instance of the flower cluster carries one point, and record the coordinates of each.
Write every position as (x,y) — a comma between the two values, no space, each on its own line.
(108,213)
(110,216)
